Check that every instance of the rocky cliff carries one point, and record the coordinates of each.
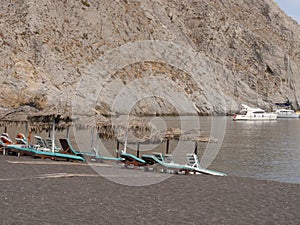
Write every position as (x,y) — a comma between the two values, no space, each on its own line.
(147,57)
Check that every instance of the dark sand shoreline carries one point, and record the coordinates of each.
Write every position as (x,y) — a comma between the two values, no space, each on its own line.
(28,197)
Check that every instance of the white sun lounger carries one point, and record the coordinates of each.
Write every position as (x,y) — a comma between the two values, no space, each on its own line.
(193,161)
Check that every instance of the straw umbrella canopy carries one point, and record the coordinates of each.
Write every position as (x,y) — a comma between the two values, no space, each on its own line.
(36,121)
(140,131)
(135,129)
(44,121)
(13,117)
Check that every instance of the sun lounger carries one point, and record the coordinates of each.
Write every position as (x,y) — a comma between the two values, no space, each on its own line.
(158,155)
(67,148)
(20,141)
(37,151)
(168,158)
(151,159)
(57,155)
(130,159)
(45,144)
(43,154)
(6,139)
(166,167)
(40,142)
(193,161)
(48,142)
(7,144)
(18,149)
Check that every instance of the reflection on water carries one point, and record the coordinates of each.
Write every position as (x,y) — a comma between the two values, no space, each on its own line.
(262,150)
(265,150)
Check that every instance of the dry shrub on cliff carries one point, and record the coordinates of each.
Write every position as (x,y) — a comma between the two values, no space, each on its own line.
(36,101)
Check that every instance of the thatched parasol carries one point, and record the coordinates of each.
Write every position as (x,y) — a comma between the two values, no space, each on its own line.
(43,121)
(135,129)
(36,121)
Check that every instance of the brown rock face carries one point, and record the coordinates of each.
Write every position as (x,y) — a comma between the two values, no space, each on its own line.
(147,57)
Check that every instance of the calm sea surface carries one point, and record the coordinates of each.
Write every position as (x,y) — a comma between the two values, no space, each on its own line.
(261,150)
(264,150)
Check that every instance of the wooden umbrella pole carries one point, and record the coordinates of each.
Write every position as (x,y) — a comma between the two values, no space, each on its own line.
(118,146)
(125,144)
(138,150)
(68,132)
(167,146)
(196,148)
(53,134)
(92,137)
(26,133)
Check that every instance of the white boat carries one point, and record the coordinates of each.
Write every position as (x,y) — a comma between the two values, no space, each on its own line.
(286,113)
(249,113)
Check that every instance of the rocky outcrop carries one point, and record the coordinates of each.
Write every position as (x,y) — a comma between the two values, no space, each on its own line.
(147,57)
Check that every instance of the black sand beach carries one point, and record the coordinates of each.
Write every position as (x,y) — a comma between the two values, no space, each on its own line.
(67,193)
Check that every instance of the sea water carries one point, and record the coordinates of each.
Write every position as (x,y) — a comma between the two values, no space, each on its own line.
(267,150)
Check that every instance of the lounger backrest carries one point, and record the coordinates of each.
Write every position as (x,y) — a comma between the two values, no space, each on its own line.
(131,157)
(40,141)
(20,141)
(48,142)
(6,140)
(159,156)
(192,160)
(168,158)
(66,146)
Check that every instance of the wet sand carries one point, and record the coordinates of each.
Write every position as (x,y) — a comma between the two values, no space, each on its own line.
(73,193)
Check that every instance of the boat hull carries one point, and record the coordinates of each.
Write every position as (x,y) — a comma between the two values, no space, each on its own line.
(288,116)
(266,116)
(286,113)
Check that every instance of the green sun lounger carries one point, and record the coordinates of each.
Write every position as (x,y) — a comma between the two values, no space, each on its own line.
(43,154)
(151,159)
(132,159)
(68,149)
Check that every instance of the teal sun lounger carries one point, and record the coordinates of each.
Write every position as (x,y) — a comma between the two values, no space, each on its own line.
(151,160)
(43,154)
(132,159)
(68,149)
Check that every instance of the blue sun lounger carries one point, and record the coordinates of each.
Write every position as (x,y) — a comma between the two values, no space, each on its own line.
(130,159)
(68,149)
(43,154)
(151,160)
(17,149)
